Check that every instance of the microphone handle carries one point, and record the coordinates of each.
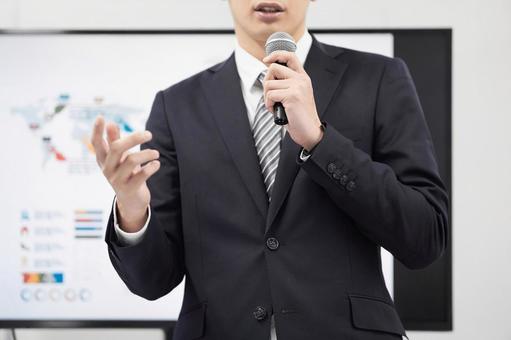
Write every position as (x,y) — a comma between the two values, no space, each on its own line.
(279,116)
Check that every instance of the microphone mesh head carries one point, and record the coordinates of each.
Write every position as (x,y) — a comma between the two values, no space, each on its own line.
(280,41)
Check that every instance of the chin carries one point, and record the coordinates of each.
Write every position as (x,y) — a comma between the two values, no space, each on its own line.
(263,31)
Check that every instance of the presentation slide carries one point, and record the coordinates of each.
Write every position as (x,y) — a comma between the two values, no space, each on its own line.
(55,200)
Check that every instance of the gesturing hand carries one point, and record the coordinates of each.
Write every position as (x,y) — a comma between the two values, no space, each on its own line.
(292,87)
(124,170)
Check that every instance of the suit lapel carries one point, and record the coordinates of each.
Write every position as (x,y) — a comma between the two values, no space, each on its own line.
(325,72)
(223,92)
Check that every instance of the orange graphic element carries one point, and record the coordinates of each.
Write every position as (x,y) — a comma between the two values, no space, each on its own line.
(88,144)
(31,278)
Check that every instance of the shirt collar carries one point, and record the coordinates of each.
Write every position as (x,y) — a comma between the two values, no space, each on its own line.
(249,67)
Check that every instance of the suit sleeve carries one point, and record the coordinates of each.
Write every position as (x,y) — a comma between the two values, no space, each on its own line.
(396,197)
(154,266)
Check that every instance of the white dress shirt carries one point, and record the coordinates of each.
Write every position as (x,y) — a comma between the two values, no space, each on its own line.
(249,69)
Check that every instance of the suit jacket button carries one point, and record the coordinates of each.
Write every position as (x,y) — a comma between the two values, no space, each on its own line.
(272,243)
(331,167)
(351,186)
(343,180)
(337,174)
(260,313)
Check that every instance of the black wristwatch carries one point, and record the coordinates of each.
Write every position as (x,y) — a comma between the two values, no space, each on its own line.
(307,152)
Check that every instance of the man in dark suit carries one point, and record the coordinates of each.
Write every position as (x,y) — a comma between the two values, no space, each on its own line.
(278,232)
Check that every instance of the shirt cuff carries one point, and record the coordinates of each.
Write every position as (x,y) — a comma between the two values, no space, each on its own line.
(127,238)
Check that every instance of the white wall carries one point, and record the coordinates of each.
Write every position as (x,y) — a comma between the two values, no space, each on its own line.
(481,120)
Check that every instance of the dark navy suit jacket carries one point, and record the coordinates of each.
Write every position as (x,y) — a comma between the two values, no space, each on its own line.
(312,256)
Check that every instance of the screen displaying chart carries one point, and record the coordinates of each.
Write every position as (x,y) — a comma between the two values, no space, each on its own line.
(55,200)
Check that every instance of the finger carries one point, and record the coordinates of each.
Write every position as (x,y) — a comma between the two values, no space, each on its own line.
(275,96)
(143,175)
(97,140)
(112,132)
(277,84)
(285,57)
(120,146)
(134,160)
(276,71)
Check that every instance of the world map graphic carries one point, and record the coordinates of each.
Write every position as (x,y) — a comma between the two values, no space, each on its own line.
(63,128)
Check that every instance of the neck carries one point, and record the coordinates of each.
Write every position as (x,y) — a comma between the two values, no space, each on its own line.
(256,47)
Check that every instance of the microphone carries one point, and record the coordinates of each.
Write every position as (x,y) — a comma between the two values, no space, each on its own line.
(280,41)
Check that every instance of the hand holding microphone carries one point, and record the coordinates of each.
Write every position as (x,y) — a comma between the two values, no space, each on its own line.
(280,41)
(288,92)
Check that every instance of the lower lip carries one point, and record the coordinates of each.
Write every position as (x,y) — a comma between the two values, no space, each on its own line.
(268,17)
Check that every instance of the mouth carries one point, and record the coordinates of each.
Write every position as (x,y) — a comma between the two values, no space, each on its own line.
(268,11)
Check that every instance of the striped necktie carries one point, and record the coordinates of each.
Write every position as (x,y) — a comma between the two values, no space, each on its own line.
(267,138)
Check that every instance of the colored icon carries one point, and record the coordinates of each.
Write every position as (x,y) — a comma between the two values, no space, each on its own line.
(85,295)
(55,295)
(25,295)
(24,231)
(40,295)
(43,278)
(24,215)
(70,295)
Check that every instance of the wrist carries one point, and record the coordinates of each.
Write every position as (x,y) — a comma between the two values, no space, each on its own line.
(316,139)
(131,220)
